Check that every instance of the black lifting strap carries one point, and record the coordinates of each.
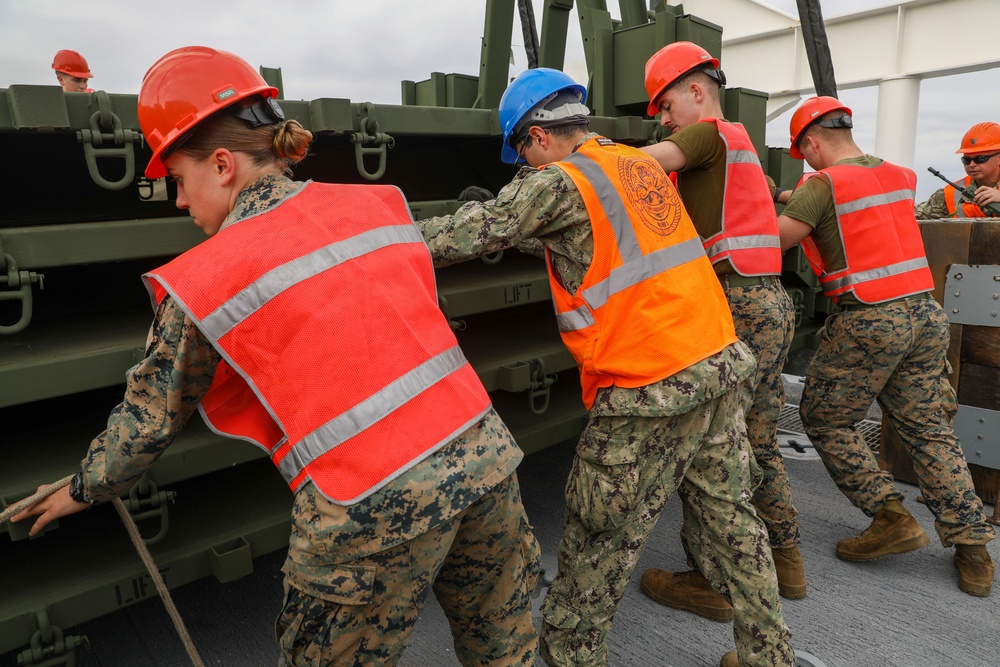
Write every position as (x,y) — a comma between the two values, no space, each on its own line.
(527,15)
(817,47)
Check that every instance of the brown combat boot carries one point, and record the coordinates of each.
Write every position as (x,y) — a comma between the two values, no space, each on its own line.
(975,569)
(686,590)
(893,531)
(730,660)
(790,571)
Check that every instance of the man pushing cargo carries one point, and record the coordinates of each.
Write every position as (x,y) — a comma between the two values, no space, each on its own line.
(727,194)
(888,343)
(403,475)
(638,305)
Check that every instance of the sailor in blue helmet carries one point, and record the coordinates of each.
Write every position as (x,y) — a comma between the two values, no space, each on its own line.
(638,306)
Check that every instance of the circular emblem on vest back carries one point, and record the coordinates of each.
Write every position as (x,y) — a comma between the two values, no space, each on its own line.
(654,196)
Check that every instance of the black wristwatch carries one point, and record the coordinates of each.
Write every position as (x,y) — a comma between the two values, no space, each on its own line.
(76,489)
(774,197)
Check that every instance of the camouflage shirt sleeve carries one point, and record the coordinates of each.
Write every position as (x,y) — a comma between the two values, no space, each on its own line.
(161,393)
(541,204)
(932,209)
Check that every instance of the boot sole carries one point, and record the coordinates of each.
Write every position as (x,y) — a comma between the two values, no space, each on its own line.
(711,613)
(977,590)
(791,592)
(905,546)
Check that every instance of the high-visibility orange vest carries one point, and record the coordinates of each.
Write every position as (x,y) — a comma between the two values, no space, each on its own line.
(882,243)
(337,360)
(749,238)
(953,200)
(650,304)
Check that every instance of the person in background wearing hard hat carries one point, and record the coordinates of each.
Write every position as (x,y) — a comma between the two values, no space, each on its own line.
(72,71)
(728,196)
(854,218)
(980,151)
(638,306)
(404,478)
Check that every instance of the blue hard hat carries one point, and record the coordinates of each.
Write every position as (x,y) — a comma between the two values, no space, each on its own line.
(523,94)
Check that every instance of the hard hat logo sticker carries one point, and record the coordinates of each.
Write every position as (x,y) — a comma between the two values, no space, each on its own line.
(225,94)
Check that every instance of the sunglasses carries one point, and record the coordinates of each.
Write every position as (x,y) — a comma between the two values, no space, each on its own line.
(979,159)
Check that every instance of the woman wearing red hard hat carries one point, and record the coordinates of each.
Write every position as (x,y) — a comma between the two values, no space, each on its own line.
(277,329)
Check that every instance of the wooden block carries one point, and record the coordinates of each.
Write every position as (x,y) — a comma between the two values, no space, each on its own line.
(984,245)
(945,243)
(979,386)
(981,345)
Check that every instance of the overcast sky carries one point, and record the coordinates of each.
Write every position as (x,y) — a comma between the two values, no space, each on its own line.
(362,49)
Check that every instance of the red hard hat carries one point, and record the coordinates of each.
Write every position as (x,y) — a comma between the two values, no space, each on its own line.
(811,109)
(72,63)
(980,138)
(185,87)
(671,63)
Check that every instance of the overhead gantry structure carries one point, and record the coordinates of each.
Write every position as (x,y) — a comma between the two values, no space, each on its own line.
(893,47)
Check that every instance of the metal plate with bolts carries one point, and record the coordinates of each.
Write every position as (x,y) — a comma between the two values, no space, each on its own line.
(979,431)
(972,294)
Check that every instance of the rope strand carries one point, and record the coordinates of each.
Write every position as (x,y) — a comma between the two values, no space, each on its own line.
(140,547)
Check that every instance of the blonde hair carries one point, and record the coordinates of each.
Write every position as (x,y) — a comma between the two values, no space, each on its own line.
(281,145)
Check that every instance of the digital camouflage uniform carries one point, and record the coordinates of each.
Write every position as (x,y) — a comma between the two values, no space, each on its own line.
(765,320)
(356,576)
(684,433)
(935,207)
(893,353)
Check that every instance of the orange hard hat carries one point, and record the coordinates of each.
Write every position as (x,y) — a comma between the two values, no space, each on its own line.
(806,115)
(72,63)
(185,87)
(980,138)
(672,62)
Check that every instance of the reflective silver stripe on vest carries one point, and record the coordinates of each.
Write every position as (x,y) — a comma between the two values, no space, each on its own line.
(629,275)
(742,157)
(350,423)
(875,274)
(611,202)
(252,297)
(744,243)
(883,199)
(574,320)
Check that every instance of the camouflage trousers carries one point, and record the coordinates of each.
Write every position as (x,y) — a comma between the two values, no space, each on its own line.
(482,566)
(895,354)
(624,471)
(765,320)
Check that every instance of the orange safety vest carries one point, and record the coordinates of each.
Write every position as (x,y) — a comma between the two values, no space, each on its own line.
(650,304)
(882,243)
(337,359)
(749,238)
(953,200)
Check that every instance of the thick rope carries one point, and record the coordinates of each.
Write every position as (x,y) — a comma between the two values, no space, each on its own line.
(140,546)
(161,587)
(24,504)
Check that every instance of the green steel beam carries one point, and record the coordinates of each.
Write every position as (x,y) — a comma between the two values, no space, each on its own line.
(88,243)
(555,25)
(494,62)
